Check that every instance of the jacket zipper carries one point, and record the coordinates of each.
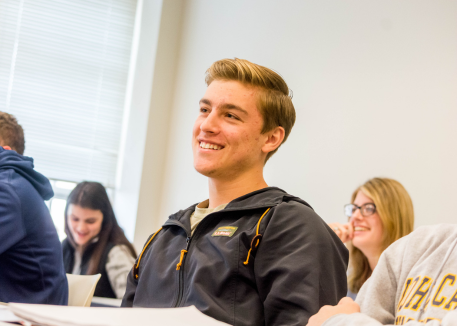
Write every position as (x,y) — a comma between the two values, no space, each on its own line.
(197,231)
(181,270)
(181,276)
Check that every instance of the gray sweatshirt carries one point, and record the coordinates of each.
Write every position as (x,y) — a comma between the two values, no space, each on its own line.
(399,293)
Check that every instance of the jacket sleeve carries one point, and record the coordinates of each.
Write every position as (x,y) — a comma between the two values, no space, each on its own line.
(132,283)
(360,319)
(12,228)
(377,296)
(129,296)
(300,265)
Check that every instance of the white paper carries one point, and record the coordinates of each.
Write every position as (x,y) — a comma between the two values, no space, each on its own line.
(93,316)
(5,324)
(7,315)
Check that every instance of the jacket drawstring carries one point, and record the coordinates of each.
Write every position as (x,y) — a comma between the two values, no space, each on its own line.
(254,244)
(256,240)
(136,268)
(178,266)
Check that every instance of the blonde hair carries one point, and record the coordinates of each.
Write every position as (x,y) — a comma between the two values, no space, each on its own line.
(395,209)
(273,100)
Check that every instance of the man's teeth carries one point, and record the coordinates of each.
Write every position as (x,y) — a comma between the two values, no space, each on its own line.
(361,228)
(210,146)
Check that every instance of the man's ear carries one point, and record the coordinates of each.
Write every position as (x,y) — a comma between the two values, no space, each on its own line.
(274,139)
(7,148)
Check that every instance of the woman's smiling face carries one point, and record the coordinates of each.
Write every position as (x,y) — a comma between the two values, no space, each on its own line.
(84,223)
(368,230)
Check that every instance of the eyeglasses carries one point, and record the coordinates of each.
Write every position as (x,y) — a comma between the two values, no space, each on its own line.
(366,209)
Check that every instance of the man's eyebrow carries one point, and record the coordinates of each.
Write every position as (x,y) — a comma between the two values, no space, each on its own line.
(205,101)
(228,106)
(225,106)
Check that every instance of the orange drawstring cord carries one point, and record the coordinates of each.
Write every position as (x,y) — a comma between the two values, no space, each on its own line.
(255,240)
(137,266)
(183,252)
(249,255)
(257,237)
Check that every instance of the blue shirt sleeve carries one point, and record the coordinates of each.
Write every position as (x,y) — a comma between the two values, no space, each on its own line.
(12,228)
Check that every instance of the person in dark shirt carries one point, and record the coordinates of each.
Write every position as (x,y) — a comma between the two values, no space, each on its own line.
(31,265)
(250,254)
(95,243)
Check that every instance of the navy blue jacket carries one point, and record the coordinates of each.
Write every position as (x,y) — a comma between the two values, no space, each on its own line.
(31,264)
(298,266)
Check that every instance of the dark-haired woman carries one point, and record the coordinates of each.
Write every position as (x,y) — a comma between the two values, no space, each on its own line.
(95,243)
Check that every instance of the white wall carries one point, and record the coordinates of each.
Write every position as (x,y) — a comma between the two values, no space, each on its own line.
(148,111)
(374,87)
(136,114)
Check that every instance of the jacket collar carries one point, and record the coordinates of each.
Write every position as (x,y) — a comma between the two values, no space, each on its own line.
(262,198)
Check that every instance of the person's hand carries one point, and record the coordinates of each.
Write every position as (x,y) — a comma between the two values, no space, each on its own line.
(345,306)
(344,231)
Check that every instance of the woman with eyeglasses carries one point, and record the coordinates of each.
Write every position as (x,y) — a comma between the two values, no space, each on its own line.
(381,212)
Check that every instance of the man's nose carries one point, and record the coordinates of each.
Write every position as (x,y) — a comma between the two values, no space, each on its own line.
(211,123)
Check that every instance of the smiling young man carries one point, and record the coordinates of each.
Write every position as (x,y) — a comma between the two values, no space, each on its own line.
(31,265)
(250,254)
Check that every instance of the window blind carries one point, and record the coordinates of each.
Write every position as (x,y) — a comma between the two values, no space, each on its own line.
(63,74)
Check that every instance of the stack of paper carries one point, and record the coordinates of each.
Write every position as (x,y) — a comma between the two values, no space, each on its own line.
(84,316)
(8,316)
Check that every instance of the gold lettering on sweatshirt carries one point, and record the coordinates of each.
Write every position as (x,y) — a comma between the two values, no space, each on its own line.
(450,279)
(452,304)
(401,320)
(420,293)
(405,294)
(416,282)
(416,290)
(430,319)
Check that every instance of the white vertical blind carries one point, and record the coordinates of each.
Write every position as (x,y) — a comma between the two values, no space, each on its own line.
(63,74)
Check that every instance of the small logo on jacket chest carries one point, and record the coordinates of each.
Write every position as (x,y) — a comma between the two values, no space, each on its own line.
(224,231)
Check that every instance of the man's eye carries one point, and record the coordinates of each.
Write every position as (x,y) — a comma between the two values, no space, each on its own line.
(203,110)
(231,116)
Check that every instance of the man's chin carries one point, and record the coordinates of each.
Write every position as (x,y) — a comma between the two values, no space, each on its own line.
(206,171)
